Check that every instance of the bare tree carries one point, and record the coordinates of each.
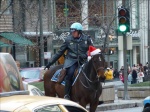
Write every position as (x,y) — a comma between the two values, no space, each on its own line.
(101,17)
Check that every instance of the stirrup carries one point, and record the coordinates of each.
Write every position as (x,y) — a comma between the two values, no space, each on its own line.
(67,97)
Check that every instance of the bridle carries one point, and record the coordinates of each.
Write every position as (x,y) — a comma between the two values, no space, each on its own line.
(90,82)
(99,68)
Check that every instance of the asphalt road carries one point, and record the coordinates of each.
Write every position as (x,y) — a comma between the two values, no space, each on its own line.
(136,109)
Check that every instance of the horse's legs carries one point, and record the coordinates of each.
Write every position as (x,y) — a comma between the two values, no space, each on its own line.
(93,106)
(83,103)
(49,89)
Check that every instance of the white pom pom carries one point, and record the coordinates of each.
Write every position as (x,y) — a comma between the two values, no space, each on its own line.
(89,58)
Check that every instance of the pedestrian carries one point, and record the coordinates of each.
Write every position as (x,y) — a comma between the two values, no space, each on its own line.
(140,76)
(109,75)
(130,78)
(121,76)
(77,45)
(129,69)
(134,76)
(116,74)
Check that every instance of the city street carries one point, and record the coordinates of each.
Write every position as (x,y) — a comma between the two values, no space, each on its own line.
(136,109)
(95,53)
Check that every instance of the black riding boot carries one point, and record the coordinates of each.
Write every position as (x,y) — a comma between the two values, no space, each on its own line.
(67,89)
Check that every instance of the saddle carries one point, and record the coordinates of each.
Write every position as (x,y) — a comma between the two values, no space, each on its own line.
(63,74)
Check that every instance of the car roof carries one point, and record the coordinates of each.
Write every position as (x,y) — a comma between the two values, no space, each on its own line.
(31,102)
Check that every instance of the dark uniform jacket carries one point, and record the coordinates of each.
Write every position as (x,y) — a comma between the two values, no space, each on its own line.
(76,48)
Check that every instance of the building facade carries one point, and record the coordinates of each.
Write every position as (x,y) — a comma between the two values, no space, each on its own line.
(143,9)
(102,15)
(99,19)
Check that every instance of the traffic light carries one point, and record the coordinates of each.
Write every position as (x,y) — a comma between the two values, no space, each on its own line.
(123,19)
(111,51)
(66,11)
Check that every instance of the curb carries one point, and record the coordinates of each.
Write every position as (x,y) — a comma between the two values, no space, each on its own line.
(114,106)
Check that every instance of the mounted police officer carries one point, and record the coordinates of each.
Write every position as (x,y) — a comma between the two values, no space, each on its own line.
(77,45)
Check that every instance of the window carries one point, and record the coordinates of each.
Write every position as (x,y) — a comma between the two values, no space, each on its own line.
(5,6)
(37,92)
(34,92)
(74,109)
(50,108)
(30,74)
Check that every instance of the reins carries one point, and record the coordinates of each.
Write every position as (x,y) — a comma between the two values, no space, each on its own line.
(89,81)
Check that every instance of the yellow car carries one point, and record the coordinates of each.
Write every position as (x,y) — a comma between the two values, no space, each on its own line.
(26,103)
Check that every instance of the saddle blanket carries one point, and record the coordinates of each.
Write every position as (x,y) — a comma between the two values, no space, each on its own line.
(57,73)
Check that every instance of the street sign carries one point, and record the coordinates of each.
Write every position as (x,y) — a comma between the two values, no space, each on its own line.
(47,55)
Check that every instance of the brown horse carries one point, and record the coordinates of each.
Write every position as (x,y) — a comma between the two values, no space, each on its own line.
(87,88)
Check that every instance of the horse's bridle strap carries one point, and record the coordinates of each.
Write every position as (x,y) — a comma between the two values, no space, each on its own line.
(100,68)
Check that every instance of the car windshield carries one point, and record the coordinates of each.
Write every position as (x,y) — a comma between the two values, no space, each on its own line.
(30,74)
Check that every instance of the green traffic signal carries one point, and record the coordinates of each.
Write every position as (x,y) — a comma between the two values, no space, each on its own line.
(123,19)
(122,28)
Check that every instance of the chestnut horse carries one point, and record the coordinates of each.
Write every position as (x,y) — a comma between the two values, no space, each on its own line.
(87,88)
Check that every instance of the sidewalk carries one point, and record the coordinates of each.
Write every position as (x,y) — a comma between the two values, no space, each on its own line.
(118,103)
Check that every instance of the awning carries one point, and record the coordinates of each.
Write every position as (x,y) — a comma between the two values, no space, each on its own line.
(16,38)
(2,44)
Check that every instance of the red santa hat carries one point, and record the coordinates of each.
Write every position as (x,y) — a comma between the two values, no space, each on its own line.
(92,51)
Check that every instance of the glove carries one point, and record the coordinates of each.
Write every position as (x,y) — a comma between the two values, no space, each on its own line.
(48,66)
(83,56)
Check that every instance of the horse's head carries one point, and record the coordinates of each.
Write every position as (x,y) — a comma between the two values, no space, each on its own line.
(98,62)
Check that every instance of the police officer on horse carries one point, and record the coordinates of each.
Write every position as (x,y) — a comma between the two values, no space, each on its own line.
(77,45)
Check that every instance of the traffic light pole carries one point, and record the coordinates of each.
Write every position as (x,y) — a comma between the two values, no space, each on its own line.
(126,96)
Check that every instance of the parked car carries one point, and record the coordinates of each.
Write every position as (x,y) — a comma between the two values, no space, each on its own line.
(34,91)
(30,75)
(10,79)
(146,103)
(26,103)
